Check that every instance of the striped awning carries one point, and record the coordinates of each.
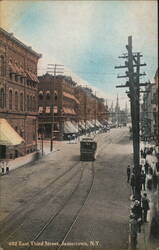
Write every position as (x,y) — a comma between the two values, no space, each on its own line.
(8,136)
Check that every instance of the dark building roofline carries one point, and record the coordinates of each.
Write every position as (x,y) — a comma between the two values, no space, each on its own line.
(11,37)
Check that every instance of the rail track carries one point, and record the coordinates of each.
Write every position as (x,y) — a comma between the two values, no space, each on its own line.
(23,213)
(76,215)
(20,209)
(33,201)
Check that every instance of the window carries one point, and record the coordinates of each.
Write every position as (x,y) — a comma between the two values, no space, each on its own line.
(16,78)
(34,104)
(31,103)
(40,96)
(48,96)
(21,102)
(16,100)
(21,79)
(2,98)
(2,66)
(10,99)
(11,76)
(55,96)
(28,106)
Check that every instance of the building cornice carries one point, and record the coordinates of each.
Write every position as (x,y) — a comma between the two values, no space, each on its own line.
(11,37)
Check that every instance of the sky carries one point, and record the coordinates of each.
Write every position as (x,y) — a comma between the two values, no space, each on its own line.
(86,37)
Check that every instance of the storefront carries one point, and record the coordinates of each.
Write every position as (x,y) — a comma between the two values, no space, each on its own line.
(9,139)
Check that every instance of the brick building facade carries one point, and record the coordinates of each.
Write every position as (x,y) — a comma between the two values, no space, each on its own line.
(75,107)
(18,92)
(66,105)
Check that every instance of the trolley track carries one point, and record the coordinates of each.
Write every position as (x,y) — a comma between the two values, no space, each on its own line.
(75,217)
(24,216)
(53,217)
(80,209)
(20,209)
(20,226)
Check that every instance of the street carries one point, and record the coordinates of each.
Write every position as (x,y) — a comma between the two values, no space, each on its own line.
(62,203)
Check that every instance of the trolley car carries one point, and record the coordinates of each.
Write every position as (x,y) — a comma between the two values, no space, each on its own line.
(88,147)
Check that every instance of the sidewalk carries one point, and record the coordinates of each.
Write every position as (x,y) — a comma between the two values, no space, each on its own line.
(144,240)
(32,157)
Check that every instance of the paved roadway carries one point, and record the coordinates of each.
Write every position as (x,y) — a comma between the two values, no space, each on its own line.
(83,204)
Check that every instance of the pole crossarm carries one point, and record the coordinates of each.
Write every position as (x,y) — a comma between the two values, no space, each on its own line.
(122,76)
(122,86)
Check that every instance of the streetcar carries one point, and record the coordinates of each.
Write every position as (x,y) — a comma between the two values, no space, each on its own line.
(88,147)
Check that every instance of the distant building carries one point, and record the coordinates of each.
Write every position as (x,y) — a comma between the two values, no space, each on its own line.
(18,97)
(66,105)
(149,112)
(75,107)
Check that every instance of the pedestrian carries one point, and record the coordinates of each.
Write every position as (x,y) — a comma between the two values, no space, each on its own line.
(146,166)
(150,170)
(143,179)
(142,153)
(7,168)
(137,211)
(132,183)
(128,173)
(140,168)
(155,180)
(145,206)
(149,182)
(2,167)
(157,166)
(133,231)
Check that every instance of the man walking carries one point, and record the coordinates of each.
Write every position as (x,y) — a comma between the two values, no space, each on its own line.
(143,179)
(128,173)
(133,231)
(145,206)
(132,183)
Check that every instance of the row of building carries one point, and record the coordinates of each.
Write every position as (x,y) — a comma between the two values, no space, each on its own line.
(46,104)
(149,112)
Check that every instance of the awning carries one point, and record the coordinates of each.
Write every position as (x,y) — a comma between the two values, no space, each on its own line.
(75,124)
(8,136)
(69,111)
(90,124)
(68,95)
(32,76)
(98,124)
(69,127)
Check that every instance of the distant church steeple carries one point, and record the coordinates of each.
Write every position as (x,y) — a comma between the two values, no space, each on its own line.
(117,107)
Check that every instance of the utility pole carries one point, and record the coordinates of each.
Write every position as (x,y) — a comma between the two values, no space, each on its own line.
(133,83)
(85,108)
(53,68)
(95,111)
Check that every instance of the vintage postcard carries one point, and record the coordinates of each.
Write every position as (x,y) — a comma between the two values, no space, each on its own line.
(79,131)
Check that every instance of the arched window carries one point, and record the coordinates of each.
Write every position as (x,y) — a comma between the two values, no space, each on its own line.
(10,99)
(48,95)
(40,95)
(2,98)
(2,66)
(21,102)
(16,100)
(55,96)
(28,105)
